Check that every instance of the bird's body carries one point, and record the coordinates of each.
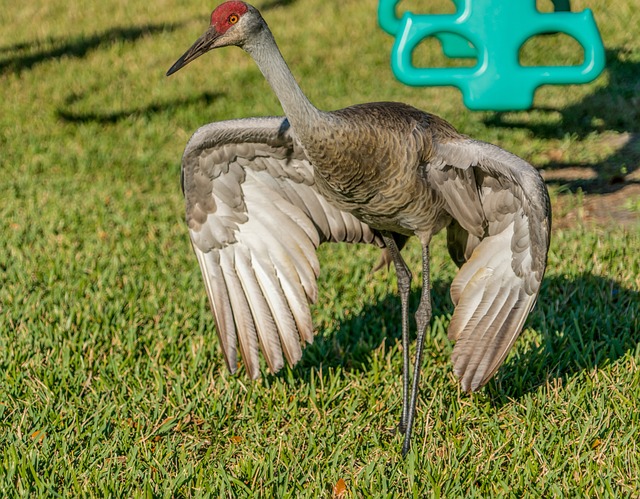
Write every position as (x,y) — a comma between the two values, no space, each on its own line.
(386,146)
(263,193)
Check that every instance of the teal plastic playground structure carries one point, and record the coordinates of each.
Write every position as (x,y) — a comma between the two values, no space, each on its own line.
(493,31)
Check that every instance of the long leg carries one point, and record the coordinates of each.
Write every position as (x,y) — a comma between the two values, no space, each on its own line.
(423,316)
(404,287)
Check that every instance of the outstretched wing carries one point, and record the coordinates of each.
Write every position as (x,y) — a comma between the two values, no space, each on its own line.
(255,221)
(500,238)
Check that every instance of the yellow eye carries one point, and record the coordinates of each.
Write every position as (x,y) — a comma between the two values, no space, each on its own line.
(233,18)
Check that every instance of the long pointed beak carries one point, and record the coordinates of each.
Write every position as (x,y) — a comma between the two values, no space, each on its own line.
(201,46)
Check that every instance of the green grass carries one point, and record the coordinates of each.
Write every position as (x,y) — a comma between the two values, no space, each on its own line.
(111,379)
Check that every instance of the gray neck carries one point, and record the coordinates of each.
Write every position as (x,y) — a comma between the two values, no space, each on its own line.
(297,108)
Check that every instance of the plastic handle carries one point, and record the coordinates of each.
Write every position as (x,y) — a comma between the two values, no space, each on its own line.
(412,34)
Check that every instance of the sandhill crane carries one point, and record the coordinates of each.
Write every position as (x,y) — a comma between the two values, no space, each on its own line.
(263,193)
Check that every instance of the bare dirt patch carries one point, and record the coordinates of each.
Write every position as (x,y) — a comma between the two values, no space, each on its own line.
(600,194)
(618,208)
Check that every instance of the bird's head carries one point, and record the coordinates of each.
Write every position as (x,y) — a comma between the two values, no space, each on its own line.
(231,24)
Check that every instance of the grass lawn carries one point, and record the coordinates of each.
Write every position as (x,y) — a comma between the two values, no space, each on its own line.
(112,383)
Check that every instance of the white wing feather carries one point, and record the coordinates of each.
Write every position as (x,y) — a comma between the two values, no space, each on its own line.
(255,221)
(501,229)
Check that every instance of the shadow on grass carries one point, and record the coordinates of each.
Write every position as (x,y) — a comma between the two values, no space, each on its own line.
(614,107)
(585,322)
(37,52)
(350,346)
(108,118)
